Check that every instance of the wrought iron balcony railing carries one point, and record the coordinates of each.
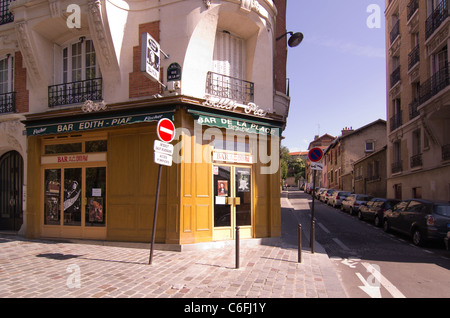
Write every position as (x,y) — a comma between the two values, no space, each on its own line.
(416,160)
(230,87)
(446,152)
(413,112)
(434,84)
(395,31)
(5,15)
(413,57)
(436,18)
(7,103)
(397,166)
(75,92)
(395,76)
(396,120)
(413,5)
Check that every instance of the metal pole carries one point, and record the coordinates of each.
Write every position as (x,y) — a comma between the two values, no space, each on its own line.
(313,235)
(155,215)
(312,213)
(237,246)
(299,237)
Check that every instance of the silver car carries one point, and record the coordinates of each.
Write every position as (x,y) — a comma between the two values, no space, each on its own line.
(337,197)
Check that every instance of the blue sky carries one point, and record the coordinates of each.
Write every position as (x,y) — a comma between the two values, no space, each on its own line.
(337,75)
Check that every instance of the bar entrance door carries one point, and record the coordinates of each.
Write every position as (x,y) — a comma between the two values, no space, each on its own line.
(232,201)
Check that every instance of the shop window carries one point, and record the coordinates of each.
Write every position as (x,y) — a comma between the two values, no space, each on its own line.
(63,148)
(231,145)
(52,199)
(96,146)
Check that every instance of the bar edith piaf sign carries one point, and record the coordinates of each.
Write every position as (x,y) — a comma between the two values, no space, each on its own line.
(92,123)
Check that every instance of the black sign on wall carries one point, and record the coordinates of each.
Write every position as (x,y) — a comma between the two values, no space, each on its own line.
(174,72)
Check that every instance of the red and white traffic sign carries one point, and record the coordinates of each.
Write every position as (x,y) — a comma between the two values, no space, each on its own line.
(165,130)
(315,154)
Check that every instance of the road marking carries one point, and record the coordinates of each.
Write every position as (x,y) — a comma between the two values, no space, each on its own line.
(323,228)
(372,291)
(338,242)
(383,281)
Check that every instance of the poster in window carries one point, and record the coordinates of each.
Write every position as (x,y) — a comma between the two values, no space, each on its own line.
(52,210)
(243,181)
(222,188)
(95,210)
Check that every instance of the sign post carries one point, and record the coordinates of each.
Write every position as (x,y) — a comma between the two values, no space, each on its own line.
(163,156)
(314,155)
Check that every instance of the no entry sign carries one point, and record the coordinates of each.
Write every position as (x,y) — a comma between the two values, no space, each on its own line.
(315,154)
(165,130)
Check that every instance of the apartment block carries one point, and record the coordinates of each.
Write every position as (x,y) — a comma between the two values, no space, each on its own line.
(418,99)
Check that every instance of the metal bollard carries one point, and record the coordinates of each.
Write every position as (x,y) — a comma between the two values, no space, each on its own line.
(313,236)
(237,246)
(299,237)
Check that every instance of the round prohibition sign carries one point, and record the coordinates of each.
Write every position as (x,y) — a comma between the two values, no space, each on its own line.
(315,154)
(165,130)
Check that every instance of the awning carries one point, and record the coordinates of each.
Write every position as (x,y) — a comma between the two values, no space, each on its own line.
(93,121)
(236,123)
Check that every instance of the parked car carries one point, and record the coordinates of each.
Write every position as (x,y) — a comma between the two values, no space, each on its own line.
(354,201)
(336,198)
(319,192)
(423,220)
(326,194)
(375,208)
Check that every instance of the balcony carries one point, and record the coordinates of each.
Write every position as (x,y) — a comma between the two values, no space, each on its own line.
(75,92)
(416,160)
(396,120)
(436,18)
(434,84)
(413,112)
(413,57)
(395,31)
(395,76)
(229,87)
(5,15)
(446,152)
(397,166)
(412,7)
(7,103)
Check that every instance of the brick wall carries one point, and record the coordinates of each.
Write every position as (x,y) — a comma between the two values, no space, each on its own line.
(139,84)
(20,84)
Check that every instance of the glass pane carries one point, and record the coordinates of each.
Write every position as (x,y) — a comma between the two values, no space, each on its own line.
(72,196)
(96,146)
(52,196)
(96,196)
(221,192)
(243,191)
(63,148)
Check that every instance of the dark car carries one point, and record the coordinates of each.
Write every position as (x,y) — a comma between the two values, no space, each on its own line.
(352,202)
(423,220)
(375,208)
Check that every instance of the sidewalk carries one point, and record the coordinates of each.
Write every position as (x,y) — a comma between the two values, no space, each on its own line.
(55,269)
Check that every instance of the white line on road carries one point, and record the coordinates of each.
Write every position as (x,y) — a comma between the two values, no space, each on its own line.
(384,281)
(345,247)
(323,228)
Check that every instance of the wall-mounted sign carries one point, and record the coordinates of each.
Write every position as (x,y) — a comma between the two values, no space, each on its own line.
(228,104)
(174,72)
(232,157)
(150,57)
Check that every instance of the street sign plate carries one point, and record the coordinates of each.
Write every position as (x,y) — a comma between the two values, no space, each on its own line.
(316,166)
(165,130)
(163,147)
(315,154)
(163,159)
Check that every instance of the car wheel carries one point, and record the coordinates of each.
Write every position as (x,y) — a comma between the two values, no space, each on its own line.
(377,221)
(386,226)
(417,237)
(360,215)
(351,211)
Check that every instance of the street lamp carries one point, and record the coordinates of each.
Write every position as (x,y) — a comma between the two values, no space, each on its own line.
(295,38)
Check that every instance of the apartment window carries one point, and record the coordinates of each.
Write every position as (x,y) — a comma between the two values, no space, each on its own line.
(396,119)
(7,84)
(417,193)
(416,158)
(5,15)
(80,75)
(369,146)
(397,157)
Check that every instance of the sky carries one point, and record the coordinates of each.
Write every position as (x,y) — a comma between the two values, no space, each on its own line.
(337,75)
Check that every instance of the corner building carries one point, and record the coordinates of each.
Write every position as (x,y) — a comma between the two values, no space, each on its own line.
(93,114)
